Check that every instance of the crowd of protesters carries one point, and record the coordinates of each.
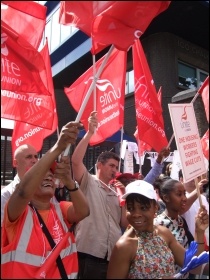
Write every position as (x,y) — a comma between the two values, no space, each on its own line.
(109,225)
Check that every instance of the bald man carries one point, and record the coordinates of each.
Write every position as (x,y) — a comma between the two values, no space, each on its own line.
(25,157)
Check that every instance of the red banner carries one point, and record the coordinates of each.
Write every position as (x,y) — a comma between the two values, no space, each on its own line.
(205,144)
(148,109)
(110,95)
(27,18)
(142,146)
(24,133)
(24,95)
(21,64)
(111,22)
(204,91)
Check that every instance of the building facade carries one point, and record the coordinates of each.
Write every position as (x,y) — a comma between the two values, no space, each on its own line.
(176,46)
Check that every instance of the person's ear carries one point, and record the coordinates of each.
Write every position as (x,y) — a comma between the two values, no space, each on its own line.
(166,198)
(14,162)
(156,209)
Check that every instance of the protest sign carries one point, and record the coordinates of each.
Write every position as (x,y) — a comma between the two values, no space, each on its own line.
(187,140)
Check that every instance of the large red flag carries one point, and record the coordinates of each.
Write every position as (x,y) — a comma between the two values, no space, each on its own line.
(21,64)
(148,109)
(142,146)
(27,18)
(110,95)
(111,22)
(204,91)
(205,144)
(24,133)
(24,95)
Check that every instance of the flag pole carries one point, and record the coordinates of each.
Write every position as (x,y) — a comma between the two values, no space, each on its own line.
(84,103)
(121,139)
(140,165)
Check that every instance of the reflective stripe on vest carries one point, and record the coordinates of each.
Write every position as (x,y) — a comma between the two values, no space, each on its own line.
(20,255)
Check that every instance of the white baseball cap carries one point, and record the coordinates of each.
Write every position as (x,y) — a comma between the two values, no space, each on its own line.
(140,187)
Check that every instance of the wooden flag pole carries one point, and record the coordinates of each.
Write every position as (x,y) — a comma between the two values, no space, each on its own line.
(198,191)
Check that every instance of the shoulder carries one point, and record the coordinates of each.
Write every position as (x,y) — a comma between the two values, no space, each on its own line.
(159,219)
(165,233)
(127,245)
(9,189)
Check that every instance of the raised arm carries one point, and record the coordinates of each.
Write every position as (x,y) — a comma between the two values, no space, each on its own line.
(201,224)
(80,150)
(79,208)
(193,196)
(34,176)
(157,168)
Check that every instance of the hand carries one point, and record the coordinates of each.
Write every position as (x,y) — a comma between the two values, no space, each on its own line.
(201,183)
(92,122)
(63,171)
(202,219)
(164,153)
(117,184)
(68,135)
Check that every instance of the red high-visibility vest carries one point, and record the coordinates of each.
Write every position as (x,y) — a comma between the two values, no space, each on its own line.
(23,257)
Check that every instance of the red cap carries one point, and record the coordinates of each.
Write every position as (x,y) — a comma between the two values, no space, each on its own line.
(125,176)
(138,176)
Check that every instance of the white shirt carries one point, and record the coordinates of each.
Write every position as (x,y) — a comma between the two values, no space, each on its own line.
(6,192)
(192,212)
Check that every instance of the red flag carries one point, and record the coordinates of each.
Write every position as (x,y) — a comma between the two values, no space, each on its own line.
(142,146)
(110,94)
(205,144)
(204,91)
(24,96)
(111,22)
(27,18)
(21,64)
(148,109)
(24,133)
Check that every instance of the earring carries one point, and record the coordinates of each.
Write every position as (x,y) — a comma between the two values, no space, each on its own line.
(155,215)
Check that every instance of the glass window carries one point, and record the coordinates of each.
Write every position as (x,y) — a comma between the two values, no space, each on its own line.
(65,32)
(187,76)
(129,82)
(47,33)
(41,2)
(56,31)
(203,76)
(190,77)
(126,83)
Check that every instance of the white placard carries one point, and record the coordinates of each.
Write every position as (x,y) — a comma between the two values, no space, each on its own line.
(187,140)
(132,147)
(128,162)
(123,149)
(176,166)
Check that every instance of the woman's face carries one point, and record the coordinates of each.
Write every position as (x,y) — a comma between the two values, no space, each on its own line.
(141,215)
(177,199)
